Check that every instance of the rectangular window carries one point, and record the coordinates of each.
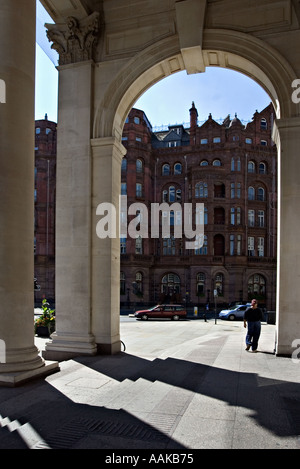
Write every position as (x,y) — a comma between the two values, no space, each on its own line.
(169,246)
(138,190)
(249,141)
(232,216)
(139,245)
(123,245)
(204,141)
(261,218)
(239,245)
(251,251)
(232,190)
(217,140)
(123,188)
(232,245)
(238,216)
(251,218)
(261,247)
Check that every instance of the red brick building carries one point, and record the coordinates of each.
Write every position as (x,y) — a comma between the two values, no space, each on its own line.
(231,168)
(228,166)
(44,209)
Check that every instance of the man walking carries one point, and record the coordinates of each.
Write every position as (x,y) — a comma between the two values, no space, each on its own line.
(253,317)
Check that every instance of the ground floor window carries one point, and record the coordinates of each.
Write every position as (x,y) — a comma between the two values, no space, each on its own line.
(201,284)
(256,287)
(170,284)
(219,284)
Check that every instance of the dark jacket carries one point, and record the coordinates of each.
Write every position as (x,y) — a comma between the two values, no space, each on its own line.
(253,314)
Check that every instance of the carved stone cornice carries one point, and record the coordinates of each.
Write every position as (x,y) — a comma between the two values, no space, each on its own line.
(75,41)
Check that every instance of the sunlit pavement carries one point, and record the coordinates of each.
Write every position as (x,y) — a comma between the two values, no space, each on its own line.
(177,385)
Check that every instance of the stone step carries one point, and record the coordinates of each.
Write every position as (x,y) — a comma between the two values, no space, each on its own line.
(13,432)
(123,399)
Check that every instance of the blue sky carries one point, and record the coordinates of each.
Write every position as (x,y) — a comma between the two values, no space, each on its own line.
(217,91)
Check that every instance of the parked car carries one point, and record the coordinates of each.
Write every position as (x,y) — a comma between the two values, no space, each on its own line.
(235,312)
(174,312)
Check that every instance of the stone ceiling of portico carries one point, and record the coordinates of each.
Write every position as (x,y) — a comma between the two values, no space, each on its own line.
(59,10)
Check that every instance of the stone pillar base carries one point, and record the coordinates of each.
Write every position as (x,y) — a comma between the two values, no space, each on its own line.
(64,347)
(109,349)
(17,378)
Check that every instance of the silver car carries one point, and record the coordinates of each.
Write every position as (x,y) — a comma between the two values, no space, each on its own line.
(236,312)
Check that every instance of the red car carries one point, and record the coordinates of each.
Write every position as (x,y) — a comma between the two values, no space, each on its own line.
(174,312)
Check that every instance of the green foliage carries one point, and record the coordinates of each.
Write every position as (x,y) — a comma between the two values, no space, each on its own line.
(47,318)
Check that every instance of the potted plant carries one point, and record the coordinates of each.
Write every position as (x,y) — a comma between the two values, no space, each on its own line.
(45,324)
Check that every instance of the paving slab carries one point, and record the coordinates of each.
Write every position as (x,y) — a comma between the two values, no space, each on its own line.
(184,385)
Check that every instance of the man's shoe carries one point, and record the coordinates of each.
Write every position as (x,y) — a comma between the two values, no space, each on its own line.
(254,351)
(248,347)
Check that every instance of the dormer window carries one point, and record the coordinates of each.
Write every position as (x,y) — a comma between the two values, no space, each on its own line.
(263,124)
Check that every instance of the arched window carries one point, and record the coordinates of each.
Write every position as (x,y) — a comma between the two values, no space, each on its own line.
(251,167)
(262,168)
(201,284)
(263,124)
(256,287)
(261,194)
(139,282)
(172,194)
(219,284)
(201,189)
(204,163)
(251,193)
(217,163)
(139,166)
(170,284)
(177,168)
(166,170)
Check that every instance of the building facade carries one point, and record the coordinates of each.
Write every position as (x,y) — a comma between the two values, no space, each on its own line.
(231,169)
(44,210)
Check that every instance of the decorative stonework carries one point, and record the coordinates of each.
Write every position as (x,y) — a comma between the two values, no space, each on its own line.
(75,40)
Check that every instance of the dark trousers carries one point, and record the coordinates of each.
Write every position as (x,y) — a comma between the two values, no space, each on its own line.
(253,333)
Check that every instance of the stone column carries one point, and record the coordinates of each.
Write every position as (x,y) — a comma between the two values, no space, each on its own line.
(19,358)
(287,139)
(73,215)
(107,155)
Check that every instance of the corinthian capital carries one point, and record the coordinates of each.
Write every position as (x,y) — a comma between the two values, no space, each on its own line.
(75,40)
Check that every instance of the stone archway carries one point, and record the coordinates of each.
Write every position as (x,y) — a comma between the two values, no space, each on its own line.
(108,91)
